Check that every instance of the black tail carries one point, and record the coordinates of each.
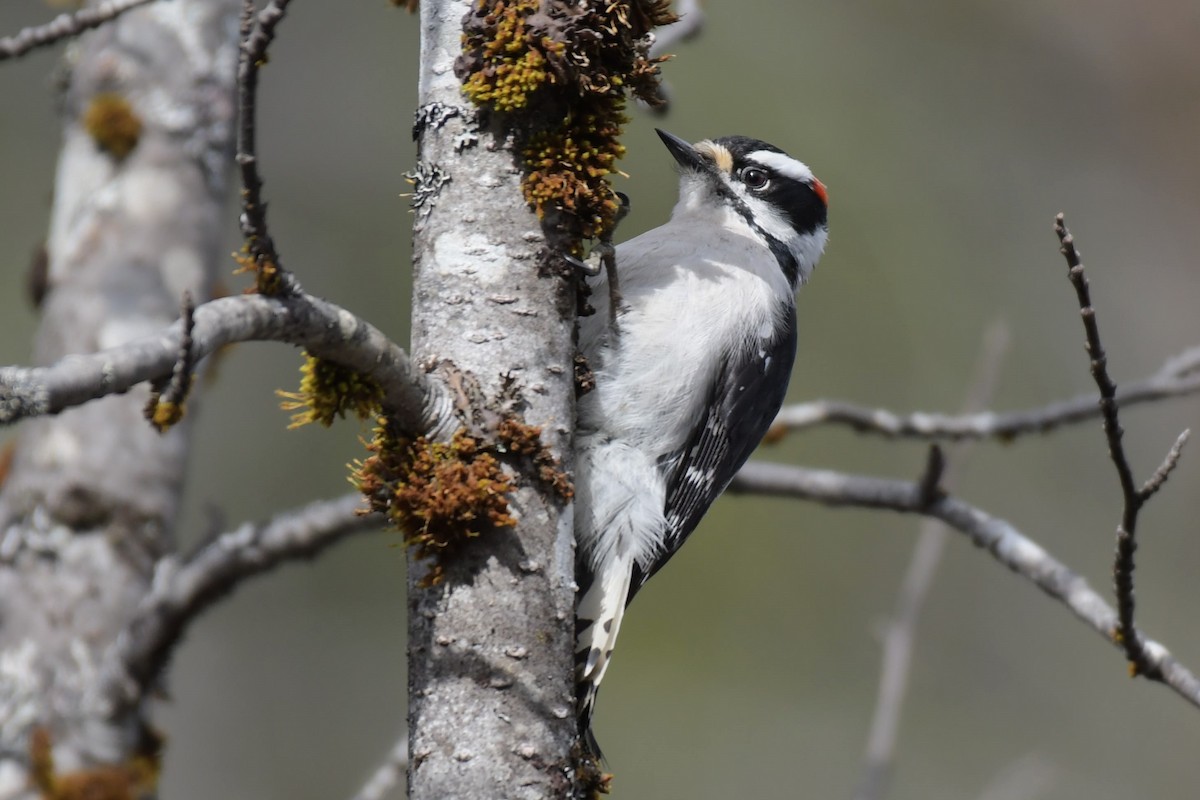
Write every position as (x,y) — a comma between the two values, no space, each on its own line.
(587,704)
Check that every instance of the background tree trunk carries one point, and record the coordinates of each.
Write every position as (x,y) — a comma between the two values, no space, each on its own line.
(91,501)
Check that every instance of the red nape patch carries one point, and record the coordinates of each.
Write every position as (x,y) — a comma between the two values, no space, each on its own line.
(821,191)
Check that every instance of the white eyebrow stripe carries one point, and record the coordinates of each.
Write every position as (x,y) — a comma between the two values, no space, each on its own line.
(785,165)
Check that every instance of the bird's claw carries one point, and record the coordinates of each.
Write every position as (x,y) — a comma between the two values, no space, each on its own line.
(591,267)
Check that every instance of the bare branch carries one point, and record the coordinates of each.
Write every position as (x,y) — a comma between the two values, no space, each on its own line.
(1179,376)
(1133,497)
(1003,541)
(389,774)
(64,26)
(1164,470)
(901,631)
(324,329)
(257,34)
(1099,367)
(180,592)
(167,398)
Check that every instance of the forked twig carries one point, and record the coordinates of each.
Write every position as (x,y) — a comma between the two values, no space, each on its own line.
(1133,496)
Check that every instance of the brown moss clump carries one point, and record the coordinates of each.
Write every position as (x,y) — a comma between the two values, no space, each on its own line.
(440,495)
(112,124)
(569,168)
(329,391)
(516,438)
(591,781)
(578,62)
(268,277)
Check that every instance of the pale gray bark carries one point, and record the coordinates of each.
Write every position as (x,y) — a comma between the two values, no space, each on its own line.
(490,649)
(89,506)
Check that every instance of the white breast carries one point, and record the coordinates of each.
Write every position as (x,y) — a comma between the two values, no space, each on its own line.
(690,289)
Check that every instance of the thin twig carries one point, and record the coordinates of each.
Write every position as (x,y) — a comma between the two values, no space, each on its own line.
(388,776)
(168,397)
(1003,541)
(64,26)
(1156,481)
(1179,376)
(1133,497)
(418,403)
(900,633)
(258,31)
(181,591)
(930,481)
(1099,369)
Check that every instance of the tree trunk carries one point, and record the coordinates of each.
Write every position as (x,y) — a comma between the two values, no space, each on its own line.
(490,650)
(91,501)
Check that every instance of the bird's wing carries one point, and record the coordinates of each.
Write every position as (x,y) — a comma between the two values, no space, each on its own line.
(746,394)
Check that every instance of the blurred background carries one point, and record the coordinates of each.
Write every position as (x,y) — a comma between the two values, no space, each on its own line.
(949,134)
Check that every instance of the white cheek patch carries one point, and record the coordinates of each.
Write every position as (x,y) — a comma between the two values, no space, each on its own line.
(767,218)
(805,249)
(784,165)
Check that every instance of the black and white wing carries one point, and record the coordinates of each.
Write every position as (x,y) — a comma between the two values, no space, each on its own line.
(747,393)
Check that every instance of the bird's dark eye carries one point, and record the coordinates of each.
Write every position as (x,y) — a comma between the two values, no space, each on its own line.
(755,178)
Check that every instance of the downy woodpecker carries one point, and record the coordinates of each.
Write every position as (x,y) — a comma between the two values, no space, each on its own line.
(689,372)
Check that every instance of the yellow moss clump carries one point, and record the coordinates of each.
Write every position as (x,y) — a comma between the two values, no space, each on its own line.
(112,124)
(328,391)
(513,60)
(440,495)
(579,61)
(163,414)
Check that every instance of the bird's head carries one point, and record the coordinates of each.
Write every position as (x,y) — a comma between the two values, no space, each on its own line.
(777,196)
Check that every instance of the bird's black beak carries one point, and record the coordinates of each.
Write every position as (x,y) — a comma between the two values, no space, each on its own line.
(685,155)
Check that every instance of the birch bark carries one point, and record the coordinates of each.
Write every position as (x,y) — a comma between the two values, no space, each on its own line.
(90,504)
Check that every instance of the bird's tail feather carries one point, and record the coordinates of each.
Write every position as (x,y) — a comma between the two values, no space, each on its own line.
(598,620)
